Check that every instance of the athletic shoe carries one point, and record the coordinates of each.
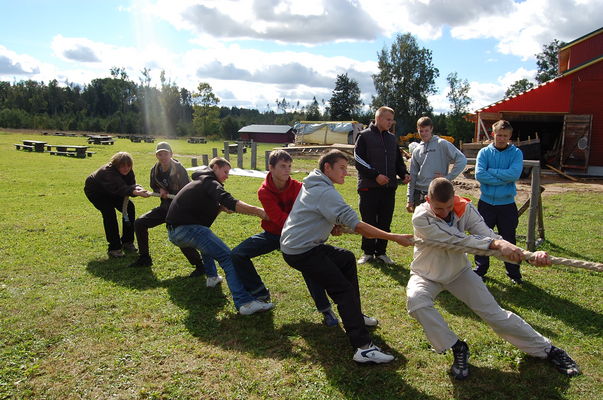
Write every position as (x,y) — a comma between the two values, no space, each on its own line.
(129,247)
(329,318)
(460,366)
(370,321)
(116,253)
(385,259)
(198,271)
(517,281)
(372,355)
(142,261)
(213,281)
(255,306)
(264,297)
(365,258)
(562,361)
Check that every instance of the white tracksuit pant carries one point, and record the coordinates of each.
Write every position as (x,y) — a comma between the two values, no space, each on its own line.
(471,290)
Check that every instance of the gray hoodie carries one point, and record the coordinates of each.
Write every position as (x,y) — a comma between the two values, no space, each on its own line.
(318,207)
(429,158)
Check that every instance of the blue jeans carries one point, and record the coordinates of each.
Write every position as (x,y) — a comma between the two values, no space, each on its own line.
(203,239)
(257,245)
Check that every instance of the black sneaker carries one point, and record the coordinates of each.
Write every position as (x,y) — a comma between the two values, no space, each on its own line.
(199,271)
(517,281)
(142,261)
(562,361)
(460,366)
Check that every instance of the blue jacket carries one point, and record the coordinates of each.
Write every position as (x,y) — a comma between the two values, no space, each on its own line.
(497,172)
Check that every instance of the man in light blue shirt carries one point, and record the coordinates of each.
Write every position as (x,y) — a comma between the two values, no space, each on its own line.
(498,166)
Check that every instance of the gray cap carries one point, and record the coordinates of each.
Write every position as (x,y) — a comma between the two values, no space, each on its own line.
(163,146)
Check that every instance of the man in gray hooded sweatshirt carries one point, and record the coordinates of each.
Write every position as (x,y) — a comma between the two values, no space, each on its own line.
(319,211)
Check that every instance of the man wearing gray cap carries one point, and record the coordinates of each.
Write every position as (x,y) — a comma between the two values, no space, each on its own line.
(168,176)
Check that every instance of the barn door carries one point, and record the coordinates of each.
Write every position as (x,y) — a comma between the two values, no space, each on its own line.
(575,145)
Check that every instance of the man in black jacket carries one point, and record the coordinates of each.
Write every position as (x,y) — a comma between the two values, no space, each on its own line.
(378,161)
(168,176)
(192,213)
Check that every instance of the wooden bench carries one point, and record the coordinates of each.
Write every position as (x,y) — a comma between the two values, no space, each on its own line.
(24,146)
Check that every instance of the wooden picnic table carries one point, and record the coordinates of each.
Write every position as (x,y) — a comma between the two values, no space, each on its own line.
(100,139)
(197,140)
(35,145)
(69,150)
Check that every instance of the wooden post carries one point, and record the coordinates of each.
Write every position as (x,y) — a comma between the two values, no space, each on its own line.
(535,200)
(240,155)
(267,155)
(254,155)
(540,220)
(214,152)
(226,151)
(205,159)
(194,161)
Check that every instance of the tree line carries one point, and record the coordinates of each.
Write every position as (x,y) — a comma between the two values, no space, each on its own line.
(117,104)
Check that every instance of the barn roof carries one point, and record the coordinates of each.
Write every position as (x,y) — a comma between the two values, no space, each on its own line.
(550,96)
(265,129)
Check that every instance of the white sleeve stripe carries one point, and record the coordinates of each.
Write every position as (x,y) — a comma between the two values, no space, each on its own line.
(361,161)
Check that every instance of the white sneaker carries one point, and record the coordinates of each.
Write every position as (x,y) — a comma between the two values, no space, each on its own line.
(255,306)
(370,321)
(213,281)
(385,259)
(372,355)
(365,258)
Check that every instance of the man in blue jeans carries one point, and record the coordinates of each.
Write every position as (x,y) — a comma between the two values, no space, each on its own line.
(277,195)
(192,213)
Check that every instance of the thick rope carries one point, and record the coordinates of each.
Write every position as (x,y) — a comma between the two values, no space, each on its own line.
(495,253)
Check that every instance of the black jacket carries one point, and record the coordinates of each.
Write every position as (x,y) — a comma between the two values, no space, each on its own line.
(107,181)
(198,203)
(377,153)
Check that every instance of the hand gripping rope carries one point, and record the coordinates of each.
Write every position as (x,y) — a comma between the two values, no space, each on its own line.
(495,253)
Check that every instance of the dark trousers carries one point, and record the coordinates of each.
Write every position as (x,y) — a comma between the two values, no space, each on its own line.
(335,270)
(107,205)
(257,245)
(154,218)
(505,218)
(377,209)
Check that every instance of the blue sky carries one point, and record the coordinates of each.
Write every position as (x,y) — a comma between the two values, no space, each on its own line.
(254,51)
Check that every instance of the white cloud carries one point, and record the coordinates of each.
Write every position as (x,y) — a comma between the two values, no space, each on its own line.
(13,64)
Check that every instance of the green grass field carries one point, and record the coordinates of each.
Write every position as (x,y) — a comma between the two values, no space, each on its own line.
(76,325)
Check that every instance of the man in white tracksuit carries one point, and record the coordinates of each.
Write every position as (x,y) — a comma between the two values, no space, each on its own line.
(445,218)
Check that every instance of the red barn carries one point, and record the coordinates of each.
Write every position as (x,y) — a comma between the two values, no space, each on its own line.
(268,133)
(565,113)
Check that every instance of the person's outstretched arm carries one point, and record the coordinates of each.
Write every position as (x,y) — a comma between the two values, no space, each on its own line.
(369,231)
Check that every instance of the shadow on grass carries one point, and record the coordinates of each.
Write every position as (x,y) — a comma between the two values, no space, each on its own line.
(536,380)
(117,270)
(252,334)
(332,351)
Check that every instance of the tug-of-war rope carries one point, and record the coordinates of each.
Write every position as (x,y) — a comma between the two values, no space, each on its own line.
(593,266)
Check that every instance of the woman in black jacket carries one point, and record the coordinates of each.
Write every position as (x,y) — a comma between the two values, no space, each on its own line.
(106,188)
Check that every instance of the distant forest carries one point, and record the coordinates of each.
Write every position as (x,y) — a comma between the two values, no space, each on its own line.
(116,104)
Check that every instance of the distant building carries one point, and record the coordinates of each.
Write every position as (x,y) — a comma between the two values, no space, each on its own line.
(566,113)
(267,133)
